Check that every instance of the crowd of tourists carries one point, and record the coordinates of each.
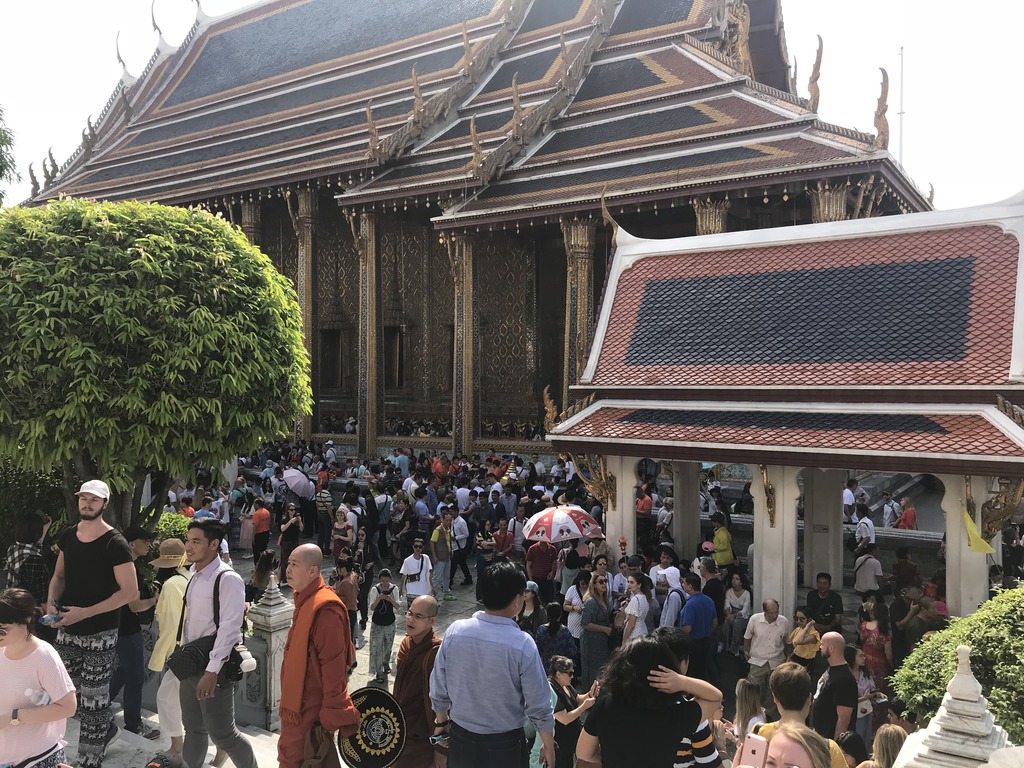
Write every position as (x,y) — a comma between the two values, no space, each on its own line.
(578,653)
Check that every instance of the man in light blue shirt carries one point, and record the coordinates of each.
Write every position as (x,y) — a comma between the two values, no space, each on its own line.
(488,680)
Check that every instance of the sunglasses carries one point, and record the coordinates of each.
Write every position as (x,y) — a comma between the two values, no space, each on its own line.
(417,546)
(418,616)
(601,581)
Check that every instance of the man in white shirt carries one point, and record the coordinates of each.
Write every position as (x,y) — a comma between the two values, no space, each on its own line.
(330,456)
(765,646)
(538,465)
(850,501)
(460,549)
(417,573)
(865,528)
(665,574)
(891,510)
(462,495)
(517,527)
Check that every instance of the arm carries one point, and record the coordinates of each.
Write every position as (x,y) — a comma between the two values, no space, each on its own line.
(843,720)
(401,585)
(627,630)
(902,624)
(336,710)
(704,693)
(142,604)
(888,651)
(537,695)
(56,589)
(568,716)
(375,597)
(128,590)
(58,710)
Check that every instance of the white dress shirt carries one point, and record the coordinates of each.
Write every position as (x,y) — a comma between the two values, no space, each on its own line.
(199,610)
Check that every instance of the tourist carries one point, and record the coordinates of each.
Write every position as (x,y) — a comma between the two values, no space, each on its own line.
(554,639)
(804,639)
(903,610)
(532,615)
(925,624)
(172,576)
(488,680)
(797,746)
(698,620)
(345,582)
(679,680)
(260,528)
(636,608)
(765,647)
(259,582)
(343,536)
(37,696)
(865,531)
(413,668)
(904,571)
(573,604)
(836,700)
(416,573)
(633,712)
(568,706)
(792,694)
(665,574)
(849,501)
(462,541)
(722,541)
(208,708)
(749,712)
(291,529)
(541,559)
(738,609)
(597,628)
(866,693)
(825,606)
(317,657)
(644,507)
(886,747)
(891,510)
(324,517)
(867,572)
(710,576)
(485,546)
(854,749)
(130,672)
(908,520)
(899,714)
(93,579)
(27,567)
(441,548)
(876,640)
(364,561)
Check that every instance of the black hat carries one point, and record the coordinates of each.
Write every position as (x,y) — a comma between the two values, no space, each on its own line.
(133,532)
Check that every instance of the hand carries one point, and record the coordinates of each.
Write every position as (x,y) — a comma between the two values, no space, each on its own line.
(206,686)
(440,760)
(547,754)
(71,615)
(728,727)
(665,680)
(588,702)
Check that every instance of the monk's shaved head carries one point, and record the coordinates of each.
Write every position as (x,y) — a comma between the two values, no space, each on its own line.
(310,554)
(304,566)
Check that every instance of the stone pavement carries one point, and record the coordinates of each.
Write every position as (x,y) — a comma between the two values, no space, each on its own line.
(132,751)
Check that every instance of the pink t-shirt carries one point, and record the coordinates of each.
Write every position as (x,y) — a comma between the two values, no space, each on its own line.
(36,680)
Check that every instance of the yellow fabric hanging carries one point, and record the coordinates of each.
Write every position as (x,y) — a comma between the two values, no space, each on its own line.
(974,540)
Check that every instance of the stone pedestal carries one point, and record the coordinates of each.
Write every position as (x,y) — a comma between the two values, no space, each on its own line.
(962,734)
(258,699)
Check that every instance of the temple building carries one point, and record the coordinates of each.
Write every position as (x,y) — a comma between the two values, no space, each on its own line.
(430,173)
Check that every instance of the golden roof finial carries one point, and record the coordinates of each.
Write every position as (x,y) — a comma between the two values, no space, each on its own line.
(564,55)
(931,194)
(881,123)
(467,51)
(517,105)
(478,151)
(417,107)
(372,128)
(812,84)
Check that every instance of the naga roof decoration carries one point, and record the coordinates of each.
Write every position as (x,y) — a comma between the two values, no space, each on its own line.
(647,98)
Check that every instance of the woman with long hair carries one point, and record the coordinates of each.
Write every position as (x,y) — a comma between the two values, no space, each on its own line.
(553,639)
(638,604)
(632,714)
(532,616)
(749,712)
(738,610)
(484,553)
(260,579)
(797,746)
(804,638)
(573,605)
(37,693)
(876,640)
(364,559)
(866,693)
(886,747)
(597,626)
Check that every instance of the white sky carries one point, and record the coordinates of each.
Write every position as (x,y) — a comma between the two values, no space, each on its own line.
(961,78)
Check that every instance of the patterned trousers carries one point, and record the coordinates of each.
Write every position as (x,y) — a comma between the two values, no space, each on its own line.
(382,638)
(89,660)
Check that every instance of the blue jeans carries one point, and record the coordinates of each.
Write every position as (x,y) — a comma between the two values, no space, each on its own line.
(129,674)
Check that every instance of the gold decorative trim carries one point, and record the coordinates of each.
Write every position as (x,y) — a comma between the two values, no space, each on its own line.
(552,418)
(881,122)
(997,510)
(769,493)
(812,84)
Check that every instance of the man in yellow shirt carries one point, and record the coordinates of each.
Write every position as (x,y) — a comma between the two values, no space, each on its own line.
(441,547)
(723,541)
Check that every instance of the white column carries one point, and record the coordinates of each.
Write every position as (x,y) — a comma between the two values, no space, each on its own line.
(966,570)
(686,495)
(823,524)
(775,548)
(621,521)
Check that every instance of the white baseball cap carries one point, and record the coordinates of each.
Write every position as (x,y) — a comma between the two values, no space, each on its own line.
(96,488)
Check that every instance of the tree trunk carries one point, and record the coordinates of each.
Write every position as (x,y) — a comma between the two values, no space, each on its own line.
(70,488)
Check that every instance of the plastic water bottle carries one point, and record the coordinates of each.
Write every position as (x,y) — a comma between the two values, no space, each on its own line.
(47,620)
(38,696)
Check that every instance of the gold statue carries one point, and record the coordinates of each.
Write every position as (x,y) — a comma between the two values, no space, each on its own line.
(478,152)
(881,123)
(372,129)
(417,108)
(997,510)
(812,84)
(769,493)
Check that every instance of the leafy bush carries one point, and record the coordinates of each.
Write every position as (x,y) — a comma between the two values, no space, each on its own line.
(995,634)
(22,491)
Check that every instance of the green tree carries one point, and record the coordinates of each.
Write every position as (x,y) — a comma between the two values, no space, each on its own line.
(995,633)
(137,340)
(7,171)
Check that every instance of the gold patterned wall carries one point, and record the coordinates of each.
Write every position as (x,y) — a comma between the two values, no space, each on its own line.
(278,241)
(337,308)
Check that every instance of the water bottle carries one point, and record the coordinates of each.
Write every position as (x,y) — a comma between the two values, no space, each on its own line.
(38,696)
(248,662)
(47,620)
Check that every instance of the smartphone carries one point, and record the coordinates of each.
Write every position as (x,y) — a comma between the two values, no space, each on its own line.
(755,752)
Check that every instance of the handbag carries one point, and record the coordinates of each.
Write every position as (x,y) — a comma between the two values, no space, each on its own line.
(190,660)
(321,750)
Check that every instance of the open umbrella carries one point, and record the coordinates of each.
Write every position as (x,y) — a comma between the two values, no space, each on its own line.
(300,483)
(562,523)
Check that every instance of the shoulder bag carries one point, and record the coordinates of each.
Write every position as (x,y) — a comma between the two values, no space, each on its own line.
(190,660)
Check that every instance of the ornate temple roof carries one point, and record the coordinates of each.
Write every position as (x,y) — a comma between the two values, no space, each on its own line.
(490,105)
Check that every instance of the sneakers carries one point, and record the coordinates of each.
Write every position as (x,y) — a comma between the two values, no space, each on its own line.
(449,597)
(467,583)
(359,642)
(112,733)
(146,731)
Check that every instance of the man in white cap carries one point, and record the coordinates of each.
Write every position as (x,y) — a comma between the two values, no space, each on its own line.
(330,455)
(94,578)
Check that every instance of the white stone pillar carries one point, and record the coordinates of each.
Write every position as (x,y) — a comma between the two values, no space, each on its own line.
(775,548)
(686,496)
(823,524)
(966,570)
(621,521)
(258,700)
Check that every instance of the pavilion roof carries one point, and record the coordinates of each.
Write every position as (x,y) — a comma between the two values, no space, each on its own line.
(625,94)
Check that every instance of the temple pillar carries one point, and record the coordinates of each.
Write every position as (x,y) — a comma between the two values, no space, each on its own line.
(712,215)
(579,236)
(828,203)
(369,400)
(621,519)
(252,221)
(306,223)
(465,376)
(686,500)
(775,535)
(823,524)
(966,570)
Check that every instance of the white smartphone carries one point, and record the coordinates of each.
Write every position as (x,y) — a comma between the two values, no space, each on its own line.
(755,752)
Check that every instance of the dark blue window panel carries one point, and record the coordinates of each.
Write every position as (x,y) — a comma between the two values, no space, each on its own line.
(829,422)
(644,14)
(915,311)
(635,127)
(616,77)
(312,33)
(547,13)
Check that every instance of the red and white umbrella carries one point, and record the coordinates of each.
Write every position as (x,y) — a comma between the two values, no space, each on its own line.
(562,523)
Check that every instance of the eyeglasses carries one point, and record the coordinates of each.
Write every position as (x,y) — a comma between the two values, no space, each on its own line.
(801,618)
(568,671)
(418,616)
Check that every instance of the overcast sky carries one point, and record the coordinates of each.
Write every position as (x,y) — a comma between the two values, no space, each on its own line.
(961,77)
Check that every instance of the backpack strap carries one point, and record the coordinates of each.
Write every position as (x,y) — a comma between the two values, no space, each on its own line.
(216,606)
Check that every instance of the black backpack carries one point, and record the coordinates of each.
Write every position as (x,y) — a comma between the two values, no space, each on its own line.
(384,613)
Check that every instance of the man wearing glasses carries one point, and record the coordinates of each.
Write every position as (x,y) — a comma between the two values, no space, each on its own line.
(416,573)
(415,662)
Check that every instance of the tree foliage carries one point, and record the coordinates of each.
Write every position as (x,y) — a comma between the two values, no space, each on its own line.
(140,338)
(7,170)
(26,491)
(995,633)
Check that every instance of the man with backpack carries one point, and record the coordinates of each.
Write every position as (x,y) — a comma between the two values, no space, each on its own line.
(384,601)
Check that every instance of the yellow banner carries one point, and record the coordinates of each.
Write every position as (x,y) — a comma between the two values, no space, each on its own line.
(974,540)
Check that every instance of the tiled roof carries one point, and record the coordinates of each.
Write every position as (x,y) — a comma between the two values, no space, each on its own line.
(868,436)
(929,308)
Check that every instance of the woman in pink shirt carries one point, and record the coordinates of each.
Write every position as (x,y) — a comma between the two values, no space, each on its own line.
(37,696)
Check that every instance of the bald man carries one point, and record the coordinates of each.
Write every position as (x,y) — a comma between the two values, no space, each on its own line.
(317,658)
(412,691)
(836,697)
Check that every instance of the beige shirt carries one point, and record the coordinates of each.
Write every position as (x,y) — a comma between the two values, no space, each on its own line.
(767,640)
